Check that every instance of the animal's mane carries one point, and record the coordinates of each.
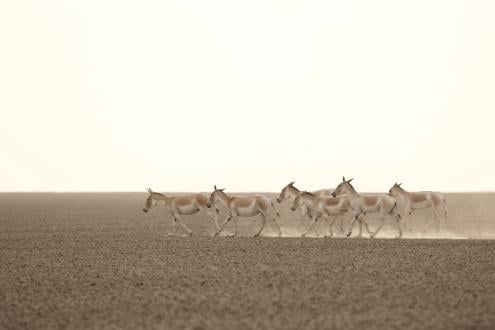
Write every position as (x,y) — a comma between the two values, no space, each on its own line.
(352,187)
(308,193)
(222,192)
(292,186)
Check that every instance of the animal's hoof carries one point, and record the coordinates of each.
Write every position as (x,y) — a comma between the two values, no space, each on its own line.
(348,235)
(190,234)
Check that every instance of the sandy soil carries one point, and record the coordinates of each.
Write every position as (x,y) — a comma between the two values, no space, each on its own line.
(95,261)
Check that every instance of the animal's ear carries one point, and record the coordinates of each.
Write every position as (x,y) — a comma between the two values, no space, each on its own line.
(149,190)
(343,178)
(215,187)
(292,183)
(400,184)
(222,189)
(349,181)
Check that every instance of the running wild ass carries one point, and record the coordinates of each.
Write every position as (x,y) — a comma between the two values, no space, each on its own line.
(421,200)
(364,204)
(321,206)
(246,206)
(291,192)
(180,205)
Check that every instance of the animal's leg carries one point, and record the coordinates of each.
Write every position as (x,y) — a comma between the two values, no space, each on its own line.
(174,220)
(277,213)
(214,216)
(263,221)
(445,211)
(397,219)
(189,231)
(437,218)
(382,222)
(404,218)
(236,218)
(278,226)
(354,217)
(331,221)
(360,220)
(432,220)
(342,229)
(363,219)
(360,227)
(407,212)
(315,219)
(229,217)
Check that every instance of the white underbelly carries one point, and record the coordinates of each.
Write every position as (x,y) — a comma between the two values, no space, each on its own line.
(188,209)
(421,205)
(247,211)
(336,210)
(371,209)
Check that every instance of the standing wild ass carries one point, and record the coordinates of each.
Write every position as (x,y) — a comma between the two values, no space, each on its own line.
(363,204)
(421,200)
(180,205)
(246,206)
(321,206)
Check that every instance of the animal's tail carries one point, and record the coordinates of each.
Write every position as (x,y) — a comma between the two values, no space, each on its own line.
(445,210)
(276,211)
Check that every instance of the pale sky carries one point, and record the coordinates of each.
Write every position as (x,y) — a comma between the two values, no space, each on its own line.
(249,95)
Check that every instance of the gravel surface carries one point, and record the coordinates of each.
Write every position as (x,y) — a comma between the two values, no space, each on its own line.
(77,261)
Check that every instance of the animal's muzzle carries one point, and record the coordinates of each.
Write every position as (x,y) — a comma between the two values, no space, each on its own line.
(145,210)
(279,201)
(334,195)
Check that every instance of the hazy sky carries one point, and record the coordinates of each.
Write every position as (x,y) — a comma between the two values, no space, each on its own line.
(179,95)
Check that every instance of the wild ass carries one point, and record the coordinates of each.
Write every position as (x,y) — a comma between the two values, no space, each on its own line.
(248,206)
(291,192)
(364,204)
(321,206)
(180,205)
(421,200)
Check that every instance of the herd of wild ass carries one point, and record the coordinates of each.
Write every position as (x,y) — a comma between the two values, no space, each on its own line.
(321,204)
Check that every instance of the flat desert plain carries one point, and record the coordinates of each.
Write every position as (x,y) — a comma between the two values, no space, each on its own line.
(97,261)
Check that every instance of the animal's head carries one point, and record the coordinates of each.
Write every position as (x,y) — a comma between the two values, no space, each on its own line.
(343,187)
(150,201)
(296,203)
(214,196)
(395,190)
(285,192)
